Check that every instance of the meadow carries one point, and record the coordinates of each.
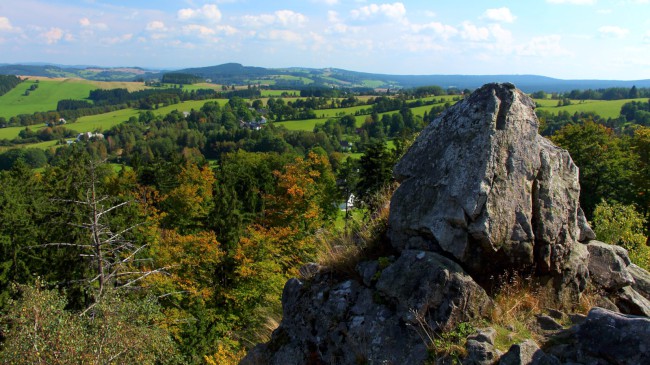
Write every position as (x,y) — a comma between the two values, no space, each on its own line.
(309,124)
(50,91)
(604,108)
(106,121)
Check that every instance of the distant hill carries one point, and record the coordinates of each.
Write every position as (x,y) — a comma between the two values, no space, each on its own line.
(234,73)
(299,77)
(84,72)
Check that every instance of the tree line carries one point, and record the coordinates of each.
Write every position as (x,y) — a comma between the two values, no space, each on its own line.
(612,93)
(8,82)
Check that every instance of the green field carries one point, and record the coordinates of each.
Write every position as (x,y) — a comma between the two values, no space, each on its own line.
(301,125)
(12,132)
(102,122)
(278,93)
(372,83)
(324,114)
(50,91)
(84,124)
(106,121)
(604,108)
(42,99)
(198,86)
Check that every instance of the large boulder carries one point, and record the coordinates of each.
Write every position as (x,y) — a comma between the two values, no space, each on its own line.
(608,266)
(344,321)
(482,186)
(605,337)
(641,280)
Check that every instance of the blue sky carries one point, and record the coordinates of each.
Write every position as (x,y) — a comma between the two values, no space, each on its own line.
(570,39)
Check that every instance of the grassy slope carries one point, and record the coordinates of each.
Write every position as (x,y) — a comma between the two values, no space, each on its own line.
(309,124)
(50,91)
(42,99)
(106,121)
(604,108)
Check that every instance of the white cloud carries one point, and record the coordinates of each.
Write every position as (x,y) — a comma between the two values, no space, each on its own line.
(421,43)
(227,29)
(357,45)
(613,31)
(499,15)
(86,23)
(575,2)
(207,32)
(646,37)
(393,11)
(473,33)
(340,28)
(258,20)
(333,17)
(5,25)
(285,18)
(208,12)
(119,39)
(156,26)
(282,35)
(502,36)
(443,31)
(288,17)
(53,36)
(430,14)
(200,30)
(157,36)
(544,46)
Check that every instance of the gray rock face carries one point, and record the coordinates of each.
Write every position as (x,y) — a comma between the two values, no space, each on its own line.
(430,284)
(607,337)
(525,353)
(480,348)
(641,280)
(630,302)
(348,322)
(608,266)
(480,184)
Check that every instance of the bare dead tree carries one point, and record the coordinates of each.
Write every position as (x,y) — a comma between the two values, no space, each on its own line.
(115,261)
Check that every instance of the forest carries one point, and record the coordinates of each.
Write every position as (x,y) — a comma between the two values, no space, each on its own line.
(178,231)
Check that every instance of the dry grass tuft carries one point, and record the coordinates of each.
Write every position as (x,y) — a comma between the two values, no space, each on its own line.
(519,298)
(341,251)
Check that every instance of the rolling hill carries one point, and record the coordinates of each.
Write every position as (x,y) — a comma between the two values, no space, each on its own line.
(300,77)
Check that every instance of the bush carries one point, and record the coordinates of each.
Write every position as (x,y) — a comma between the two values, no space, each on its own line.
(622,225)
(39,330)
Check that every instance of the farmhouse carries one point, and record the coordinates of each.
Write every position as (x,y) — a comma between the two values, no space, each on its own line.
(88,135)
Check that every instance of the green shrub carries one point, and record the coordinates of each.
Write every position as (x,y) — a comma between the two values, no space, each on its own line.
(622,225)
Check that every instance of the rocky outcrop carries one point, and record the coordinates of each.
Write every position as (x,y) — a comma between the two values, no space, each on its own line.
(481,193)
(605,337)
(344,321)
(621,282)
(482,186)
(608,266)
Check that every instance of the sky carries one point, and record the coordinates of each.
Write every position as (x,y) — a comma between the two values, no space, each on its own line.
(568,39)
